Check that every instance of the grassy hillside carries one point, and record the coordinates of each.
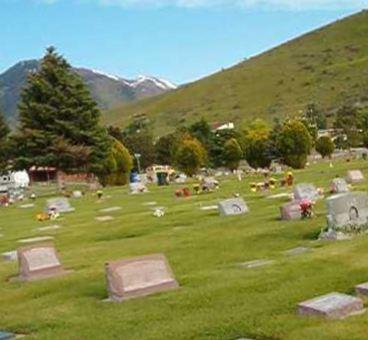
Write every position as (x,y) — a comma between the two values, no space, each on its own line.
(327,66)
(218,298)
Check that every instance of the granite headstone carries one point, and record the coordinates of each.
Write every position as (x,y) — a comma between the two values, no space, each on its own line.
(339,185)
(233,206)
(60,204)
(139,276)
(38,262)
(346,209)
(331,306)
(306,191)
(291,211)
(354,176)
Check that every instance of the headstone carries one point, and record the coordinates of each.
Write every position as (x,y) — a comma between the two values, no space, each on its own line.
(339,185)
(137,188)
(6,335)
(331,306)
(77,194)
(36,239)
(27,206)
(38,262)
(306,191)
(104,218)
(233,206)
(51,227)
(60,204)
(291,211)
(112,209)
(209,207)
(139,276)
(347,209)
(149,203)
(354,176)
(362,290)
(10,256)
(297,251)
(256,263)
(280,195)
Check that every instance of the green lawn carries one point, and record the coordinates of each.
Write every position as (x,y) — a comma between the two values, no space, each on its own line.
(218,299)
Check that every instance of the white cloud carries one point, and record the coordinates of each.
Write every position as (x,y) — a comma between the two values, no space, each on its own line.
(250,4)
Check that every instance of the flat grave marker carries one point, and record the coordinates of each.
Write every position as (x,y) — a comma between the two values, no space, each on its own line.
(36,239)
(331,306)
(39,261)
(112,209)
(27,206)
(51,227)
(104,218)
(150,203)
(280,195)
(233,206)
(256,263)
(209,207)
(297,251)
(139,276)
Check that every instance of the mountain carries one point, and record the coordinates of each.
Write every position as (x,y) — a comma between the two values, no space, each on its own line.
(328,67)
(108,90)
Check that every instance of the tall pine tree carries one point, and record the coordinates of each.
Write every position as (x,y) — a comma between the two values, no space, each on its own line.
(59,121)
(4,147)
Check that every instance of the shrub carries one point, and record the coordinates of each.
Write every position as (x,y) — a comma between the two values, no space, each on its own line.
(325,146)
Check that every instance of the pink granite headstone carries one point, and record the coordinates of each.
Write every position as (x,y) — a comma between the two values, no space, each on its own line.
(332,306)
(39,261)
(140,276)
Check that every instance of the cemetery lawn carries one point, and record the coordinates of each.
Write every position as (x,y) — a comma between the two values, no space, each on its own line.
(218,298)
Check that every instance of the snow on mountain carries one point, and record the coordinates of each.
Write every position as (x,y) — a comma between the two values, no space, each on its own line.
(105,74)
(108,90)
(141,81)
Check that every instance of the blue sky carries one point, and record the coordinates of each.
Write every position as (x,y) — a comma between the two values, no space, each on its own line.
(180,40)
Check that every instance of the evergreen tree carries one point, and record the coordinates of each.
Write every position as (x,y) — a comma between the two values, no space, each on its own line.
(59,121)
(4,147)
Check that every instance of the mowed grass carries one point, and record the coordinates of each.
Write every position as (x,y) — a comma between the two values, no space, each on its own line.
(218,298)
